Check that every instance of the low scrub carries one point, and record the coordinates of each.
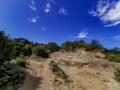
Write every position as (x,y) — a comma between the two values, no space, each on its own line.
(40,52)
(20,61)
(113,57)
(117,74)
(10,74)
(59,72)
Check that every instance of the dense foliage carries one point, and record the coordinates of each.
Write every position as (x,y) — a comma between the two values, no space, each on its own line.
(20,61)
(53,47)
(6,47)
(10,74)
(71,46)
(40,52)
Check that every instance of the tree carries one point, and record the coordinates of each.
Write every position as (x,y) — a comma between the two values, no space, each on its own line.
(82,44)
(94,45)
(6,47)
(115,50)
(21,40)
(53,47)
(10,74)
(68,46)
(40,52)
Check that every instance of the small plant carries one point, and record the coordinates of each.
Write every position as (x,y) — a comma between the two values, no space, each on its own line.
(59,72)
(20,61)
(117,74)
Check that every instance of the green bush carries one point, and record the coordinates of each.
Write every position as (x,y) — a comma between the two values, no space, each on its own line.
(10,74)
(94,45)
(27,50)
(6,48)
(20,61)
(117,74)
(53,47)
(40,52)
(113,57)
(68,46)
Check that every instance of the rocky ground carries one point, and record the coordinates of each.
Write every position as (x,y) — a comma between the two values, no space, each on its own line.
(85,70)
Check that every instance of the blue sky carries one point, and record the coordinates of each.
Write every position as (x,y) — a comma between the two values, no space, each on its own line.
(62,20)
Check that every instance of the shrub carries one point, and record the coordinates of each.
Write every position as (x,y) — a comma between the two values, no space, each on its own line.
(52,47)
(27,50)
(6,47)
(68,46)
(113,57)
(117,74)
(40,52)
(10,74)
(20,61)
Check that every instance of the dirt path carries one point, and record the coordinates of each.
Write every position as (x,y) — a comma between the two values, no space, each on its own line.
(86,71)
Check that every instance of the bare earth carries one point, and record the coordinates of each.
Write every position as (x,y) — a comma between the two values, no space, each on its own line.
(85,70)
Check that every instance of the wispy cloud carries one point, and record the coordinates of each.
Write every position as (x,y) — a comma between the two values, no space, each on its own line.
(33,19)
(83,35)
(48,8)
(117,37)
(108,12)
(63,11)
(43,28)
(32,5)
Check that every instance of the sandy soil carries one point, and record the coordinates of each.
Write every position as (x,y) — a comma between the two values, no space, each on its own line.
(85,70)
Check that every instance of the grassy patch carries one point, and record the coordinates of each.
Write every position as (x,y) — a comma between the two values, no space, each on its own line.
(113,57)
(59,72)
(117,74)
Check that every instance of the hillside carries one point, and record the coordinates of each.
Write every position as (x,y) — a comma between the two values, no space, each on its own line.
(84,70)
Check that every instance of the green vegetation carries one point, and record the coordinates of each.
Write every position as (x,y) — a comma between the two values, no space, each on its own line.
(113,57)
(6,47)
(10,74)
(38,51)
(72,46)
(94,45)
(59,72)
(117,74)
(20,61)
(53,47)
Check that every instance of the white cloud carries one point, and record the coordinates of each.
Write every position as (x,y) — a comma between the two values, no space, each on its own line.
(108,12)
(48,8)
(33,8)
(117,37)
(63,11)
(43,28)
(82,35)
(32,5)
(34,19)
